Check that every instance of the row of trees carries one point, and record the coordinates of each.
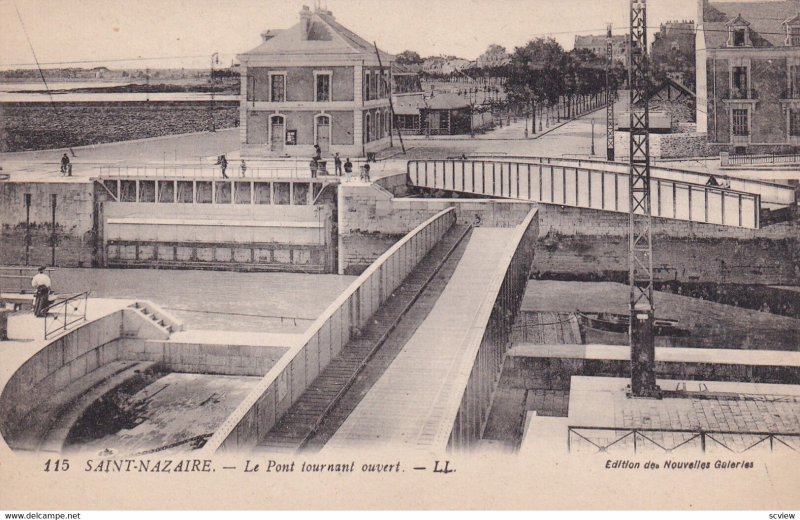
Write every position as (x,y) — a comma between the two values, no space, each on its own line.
(541,74)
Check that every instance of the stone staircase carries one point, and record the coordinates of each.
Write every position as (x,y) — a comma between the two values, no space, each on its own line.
(159,318)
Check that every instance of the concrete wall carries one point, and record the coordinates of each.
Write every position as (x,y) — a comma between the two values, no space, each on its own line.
(371,219)
(553,372)
(74,221)
(59,363)
(200,358)
(125,335)
(721,260)
(220,236)
(581,221)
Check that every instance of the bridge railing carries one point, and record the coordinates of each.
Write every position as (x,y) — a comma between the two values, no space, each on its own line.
(489,340)
(289,378)
(770,192)
(604,439)
(585,187)
(207,171)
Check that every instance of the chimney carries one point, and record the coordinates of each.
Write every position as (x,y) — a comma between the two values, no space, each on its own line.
(305,22)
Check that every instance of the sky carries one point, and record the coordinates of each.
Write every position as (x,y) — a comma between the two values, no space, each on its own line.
(185,33)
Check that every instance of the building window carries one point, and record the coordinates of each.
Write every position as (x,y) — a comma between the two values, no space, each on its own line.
(739,79)
(366,88)
(368,129)
(794,122)
(794,82)
(277,88)
(323,86)
(739,39)
(740,123)
(794,36)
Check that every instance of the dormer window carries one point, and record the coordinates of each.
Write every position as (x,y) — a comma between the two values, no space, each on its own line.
(738,33)
(793,31)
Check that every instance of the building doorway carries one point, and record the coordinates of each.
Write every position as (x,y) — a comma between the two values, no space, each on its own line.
(323,133)
(277,133)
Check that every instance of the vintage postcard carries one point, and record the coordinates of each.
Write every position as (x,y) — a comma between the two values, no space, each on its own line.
(384,254)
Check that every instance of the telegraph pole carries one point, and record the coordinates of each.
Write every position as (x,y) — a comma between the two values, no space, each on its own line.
(609,98)
(640,251)
(214,58)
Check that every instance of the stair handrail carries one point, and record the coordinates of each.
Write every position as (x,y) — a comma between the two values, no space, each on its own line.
(62,314)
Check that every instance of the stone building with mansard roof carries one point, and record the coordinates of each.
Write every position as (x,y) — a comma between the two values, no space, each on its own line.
(316,82)
(748,75)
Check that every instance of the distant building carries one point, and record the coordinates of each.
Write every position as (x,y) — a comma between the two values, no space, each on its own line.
(426,114)
(314,83)
(495,56)
(673,51)
(405,79)
(444,66)
(748,75)
(597,44)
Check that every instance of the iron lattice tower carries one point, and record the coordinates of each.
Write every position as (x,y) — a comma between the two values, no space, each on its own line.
(640,252)
(609,98)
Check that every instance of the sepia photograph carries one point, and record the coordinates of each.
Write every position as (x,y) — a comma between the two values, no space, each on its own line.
(399,255)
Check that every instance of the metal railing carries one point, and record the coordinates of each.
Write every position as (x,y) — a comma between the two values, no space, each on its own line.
(770,192)
(647,438)
(466,420)
(762,159)
(586,187)
(61,315)
(744,93)
(233,172)
(18,279)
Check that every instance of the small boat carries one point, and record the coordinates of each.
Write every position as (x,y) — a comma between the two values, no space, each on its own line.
(613,322)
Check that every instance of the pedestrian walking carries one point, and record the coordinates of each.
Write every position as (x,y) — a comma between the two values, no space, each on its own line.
(365,172)
(337,164)
(313,167)
(243,168)
(41,286)
(64,164)
(348,169)
(223,164)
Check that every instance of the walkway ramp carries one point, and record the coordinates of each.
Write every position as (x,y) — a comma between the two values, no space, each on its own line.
(409,406)
(304,417)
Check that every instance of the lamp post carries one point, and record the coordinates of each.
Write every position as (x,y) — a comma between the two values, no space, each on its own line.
(473,97)
(592,153)
(214,59)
